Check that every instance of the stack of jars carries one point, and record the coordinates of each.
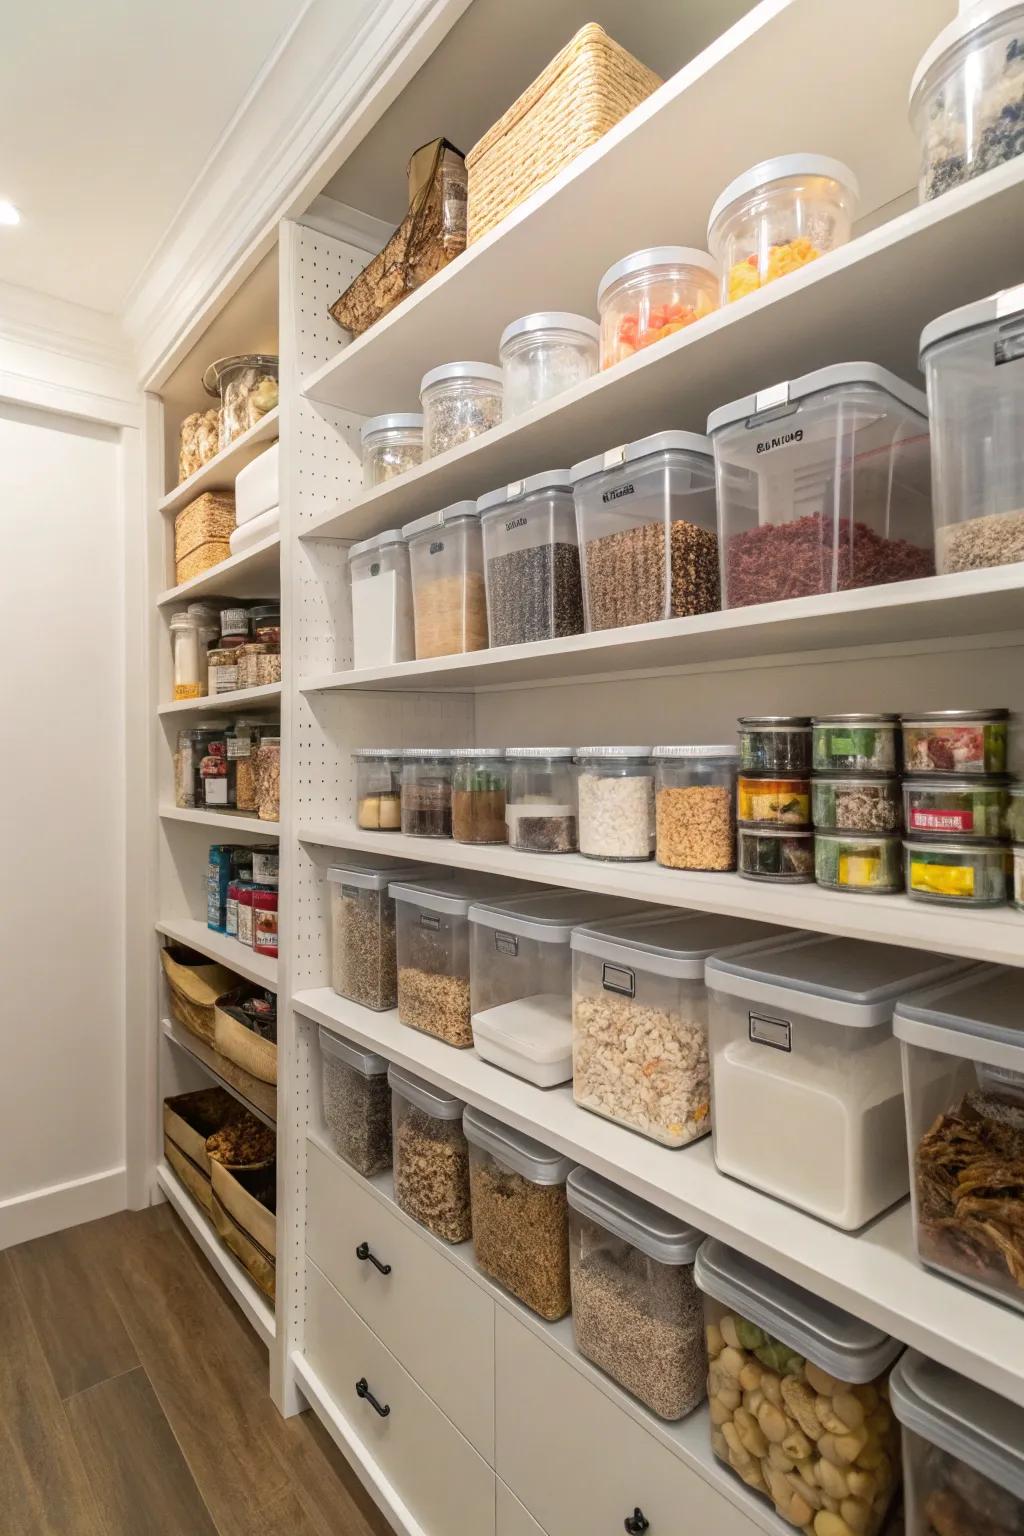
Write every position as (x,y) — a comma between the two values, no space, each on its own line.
(217,766)
(855,802)
(774,799)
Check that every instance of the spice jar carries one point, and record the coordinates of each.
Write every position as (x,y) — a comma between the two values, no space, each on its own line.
(378,788)
(390,445)
(460,401)
(189,675)
(652,294)
(540,809)
(382,621)
(431,1159)
(448,591)
(615,794)
(855,743)
(235,624)
(216,773)
(264,920)
(479,781)
(775,744)
(268,778)
(243,739)
(265,620)
(955,741)
(849,803)
(426,792)
(957,873)
(247,387)
(767,854)
(531,560)
(967,807)
(542,355)
(857,861)
(695,807)
(767,800)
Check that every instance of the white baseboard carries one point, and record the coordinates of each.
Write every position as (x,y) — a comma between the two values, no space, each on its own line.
(61,1205)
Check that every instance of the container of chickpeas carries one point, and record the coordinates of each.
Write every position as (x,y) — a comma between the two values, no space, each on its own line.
(798,1397)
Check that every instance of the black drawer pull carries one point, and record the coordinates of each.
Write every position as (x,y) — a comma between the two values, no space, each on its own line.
(637,1522)
(363,1252)
(363,1390)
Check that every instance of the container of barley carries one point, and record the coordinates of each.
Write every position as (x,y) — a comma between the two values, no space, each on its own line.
(363,963)
(520,1214)
(636,1311)
(540,810)
(431,1159)
(427,792)
(615,795)
(449,597)
(695,807)
(356,1103)
(479,783)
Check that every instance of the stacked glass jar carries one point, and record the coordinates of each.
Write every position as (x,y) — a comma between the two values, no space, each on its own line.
(855,802)
(773,799)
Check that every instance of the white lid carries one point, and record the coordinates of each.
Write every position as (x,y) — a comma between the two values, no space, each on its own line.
(408,420)
(528,752)
(438,894)
(960,1417)
(978,1015)
(184,619)
(789,391)
(777,169)
(372,871)
(390,536)
(697,753)
(551,320)
(547,480)
(486,372)
(549,916)
(514,1150)
(432,1101)
(671,943)
(643,448)
(833,1340)
(352,1055)
(657,256)
(538,1028)
(1005,305)
(378,752)
(585,752)
(839,980)
(442,519)
(654,1232)
(972,14)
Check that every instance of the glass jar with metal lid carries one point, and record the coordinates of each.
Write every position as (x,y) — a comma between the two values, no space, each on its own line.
(247,388)
(695,806)
(615,792)
(540,808)
(479,784)
(941,805)
(775,743)
(855,743)
(378,788)
(955,741)
(427,791)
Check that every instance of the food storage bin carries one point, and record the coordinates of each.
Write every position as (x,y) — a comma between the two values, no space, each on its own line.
(855,803)
(427,792)
(520,1214)
(855,743)
(645,514)
(479,779)
(764,800)
(187,753)
(357,1104)
(189,677)
(805,1076)
(775,743)
(640,1017)
(268,778)
(1015,812)
(460,401)
(695,807)
(977,418)
(390,445)
(544,354)
(382,610)
(963,1452)
(821,1376)
(777,217)
(955,741)
(957,872)
(201,533)
(766,854)
(378,788)
(247,388)
(824,483)
(651,294)
(363,963)
(636,1311)
(217,776)
(615,795)
(431,1159)
(541,803)
(967,96)
(942,806)
(963,1075)
(448,592)
(531,560)
(870,862)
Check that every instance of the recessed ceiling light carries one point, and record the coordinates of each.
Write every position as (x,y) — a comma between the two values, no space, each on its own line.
(8,213)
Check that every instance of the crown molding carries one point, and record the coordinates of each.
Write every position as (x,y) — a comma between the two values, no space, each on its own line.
(48,343)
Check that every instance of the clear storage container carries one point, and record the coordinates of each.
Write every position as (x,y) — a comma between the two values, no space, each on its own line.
(869,862)
(775,743)
(805,1073)
(945,806)
(390,445)
(460,401)
(378,788)
(765,800)
(824,484)
(363,964)
(645,513)
(544,354)
(479,779)
(636,1312)
(821,1375)
(356,1104)
(1015,812)
(541,805)
(855,743)
(765,853)
(1017,877)
(531,560)
(427,791)
(189,676)
(973,362)
(777,217)
(963,1076)
(855,803)
(967,96)
(652,294)
(247,388)
(267,772)
(955,741)
(953,872)
(640,1018)
(695,807)
(615,795)
(431,1159)
(448,591)
(520,1214)
(382,622)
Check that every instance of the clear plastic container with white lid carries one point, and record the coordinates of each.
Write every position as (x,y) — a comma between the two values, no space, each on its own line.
(448,591)
(652,294)
(426,791)
(645,513)
(390,445)
(640,1017)
(431,1158)
(973,363)
(695,806)
(520,1213)
(382,627)
(356,1103)
(822,1378)
(378,788)
(540,809)
(363,926)
(460,401)
(805,1073)
(636,1310)
(824,483)
(544,354)
(778,216)
(531,560)
(963,1075)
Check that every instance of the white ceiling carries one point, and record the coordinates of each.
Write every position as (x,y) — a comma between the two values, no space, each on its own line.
(108,111)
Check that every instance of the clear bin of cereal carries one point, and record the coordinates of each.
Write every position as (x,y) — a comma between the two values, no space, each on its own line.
(356,1104)
(449,598)
(430,1156)
(955,741)
(855,743)
(944,806)
(842,802)
(695,807)
(652,294)
(957,872)
(363,965)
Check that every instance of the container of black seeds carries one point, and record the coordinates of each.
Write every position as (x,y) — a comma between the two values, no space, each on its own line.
(531,560)
(356,1104)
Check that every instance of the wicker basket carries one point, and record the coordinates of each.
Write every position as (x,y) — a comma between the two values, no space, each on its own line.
(190,1118)
(244,1046)
(201,533)
(249,1253)
(585,90)
(194,985)
(236,1189)
(202,559)
(192,1179)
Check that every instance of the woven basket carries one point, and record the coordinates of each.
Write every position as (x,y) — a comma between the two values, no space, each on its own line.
(202,559)
(585,90)
(211,516)
(193,1180)
(244,1046)
(194,985)
(190,1118)
(236,1192)
(249,1253)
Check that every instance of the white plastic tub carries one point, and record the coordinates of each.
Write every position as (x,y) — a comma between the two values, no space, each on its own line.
(382,621)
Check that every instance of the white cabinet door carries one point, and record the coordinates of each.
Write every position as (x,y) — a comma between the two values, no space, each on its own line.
(511,1519)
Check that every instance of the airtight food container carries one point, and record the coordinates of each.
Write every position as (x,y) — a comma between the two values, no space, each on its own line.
(544,354)
(356,1104)
(378,788)
(869,862)
(944,806)
(460,401)
(636,1311)
(640,1017)
(652,294)
(390,445)
(531,560)
(764,799)
(821,1375)
(973,363)
(541,807)
(382,615)
(957,741)
(448,593)
(479,779)
(645,514)
(427,791)
(775,744)
(805,1074)
(695,806)
(855,743)
(615,795)
(824,483)
(430,1156)
(855,803)
(770,853)
(363,927)
(957,872)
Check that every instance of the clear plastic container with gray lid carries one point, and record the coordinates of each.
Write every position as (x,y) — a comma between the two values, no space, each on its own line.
(431,1158)
(531,560)
(390,445)
(541,806)
(363,964)
(356,1103)
(448,591)
(460,401)
(646,519)
(544,354)
(382,621)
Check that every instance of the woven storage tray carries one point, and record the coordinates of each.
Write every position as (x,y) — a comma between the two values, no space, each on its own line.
(202,559)
(194,985)
(585,90)
(211,516)
(192,1179)
(190,1118)
(244,1046)
(236,1191)
(253,1258)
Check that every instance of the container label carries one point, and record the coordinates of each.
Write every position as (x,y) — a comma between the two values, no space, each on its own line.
(777,394)
(774,1032)
(225,679)
(350,892)
(506,943)
(842,743)
(618,491)
(783,440)
(515,522)
(215,791)
(941,821)
(239,746)
(437,546)
(429,920)
(619,978)
(187,691)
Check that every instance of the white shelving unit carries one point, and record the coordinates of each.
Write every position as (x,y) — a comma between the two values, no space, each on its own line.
(244,823)
(219,473)
(256,572)
(218,946)
(219,703)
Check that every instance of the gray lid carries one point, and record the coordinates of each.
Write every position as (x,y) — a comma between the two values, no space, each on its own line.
(962,1418)
(428,754)
(697,753)
(546,480)
(443,519)
(774,722)
(937,783)
(777,169)
(985,1003)
(487,373)
(365,1062)
(790,391)
(643,448)
(657,256)
(378,752)
(655,1233)
(833,1340)
(513,1150)
(454,897)
(952,716)
(462,753)
(585,752)
(432,1101)
(378,541)
(551,320)
(372,871)
(671,943)
(853,719)
(1006,305)
(549,916)
(409,421)
(535,752)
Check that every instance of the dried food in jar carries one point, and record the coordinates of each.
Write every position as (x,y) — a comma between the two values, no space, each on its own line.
(644,1067)
(855,743)
(997,538)
(222,669)
(380,812)
(363,963)
(753,272)
(850,861)
(797,559)
(963,1502)
(544,354)
(967,103)
(956,807)
(427,809)
(200,442)
(265,620)
(264,921)
(479,784)
(435,1002)
(521,1236)
(268,778)
(247,386)
(695,826)
(534,594)
(955,741)
(775,743)
(765,854)
(626,574)
(651,294)
(616,805)
(357,1106)
(243,739)
(460,401)
(541,827)
(216,774)
(774,801)
(391,445)
(450,615)
(847,804)
(186,764)
(431,1162)
(963,874)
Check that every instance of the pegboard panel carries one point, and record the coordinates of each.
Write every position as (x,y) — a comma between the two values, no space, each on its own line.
(323,607)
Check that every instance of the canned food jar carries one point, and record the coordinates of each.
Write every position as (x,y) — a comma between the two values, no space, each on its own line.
(449,595)
(949,807)
(955,741)
(540,808)
(768,800)
(855,803)
(956,873)
(247,388)
(378,788)
(479,786)
(531,560)
(652,294)
(775,743)
(544,354)
(460,401)
(390,445)
(695,807)
(427,792)
(857,861)
(615,793)
(1015,813)
(769,854)
(855,743)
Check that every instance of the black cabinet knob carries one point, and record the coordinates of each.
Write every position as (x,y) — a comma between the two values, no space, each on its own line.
(363,1391)
(637,1522)
(363,1252)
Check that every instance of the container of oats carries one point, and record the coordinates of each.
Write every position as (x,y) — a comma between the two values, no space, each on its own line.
(363,954)
(430,1156)
(356,1103)
(449,597)
(695,807)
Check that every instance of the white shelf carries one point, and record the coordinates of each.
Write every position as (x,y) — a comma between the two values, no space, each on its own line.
(218,946)
(212,1064)
(256,572)
(219,474)
(217,703)
(253,1304)
(243,822)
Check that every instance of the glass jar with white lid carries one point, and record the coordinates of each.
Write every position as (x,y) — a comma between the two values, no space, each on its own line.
(615,794)
(390,444)
(544,354)
(460,401)
(541,803)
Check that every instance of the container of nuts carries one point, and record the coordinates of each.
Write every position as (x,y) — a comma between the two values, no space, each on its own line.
(431,1159)
(695,807)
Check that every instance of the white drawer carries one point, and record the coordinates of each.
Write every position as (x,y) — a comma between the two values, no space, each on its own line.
(435,1472)
(439,1323)
(579,1464)
(510,1518)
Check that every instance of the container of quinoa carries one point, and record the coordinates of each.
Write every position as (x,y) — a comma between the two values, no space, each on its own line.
(855,803)
(955,741)
(855,743)
(950,807)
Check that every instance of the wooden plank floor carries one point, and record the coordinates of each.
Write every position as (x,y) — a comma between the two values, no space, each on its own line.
(134,1401)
